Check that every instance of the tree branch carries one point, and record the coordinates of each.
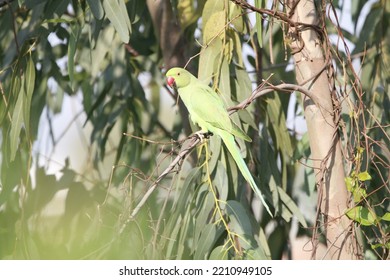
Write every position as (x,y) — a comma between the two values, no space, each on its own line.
(262,90)
(277,14)
(194,140)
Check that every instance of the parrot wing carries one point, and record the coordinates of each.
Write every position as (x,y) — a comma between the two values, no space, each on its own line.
(207,108)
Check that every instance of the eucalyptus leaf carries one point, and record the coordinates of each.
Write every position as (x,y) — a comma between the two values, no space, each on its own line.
(208,60)
(118,16)
(29,90)
(219,253)
(17,122)
(96,8)
(73,38)
(293,208)
(208,237)
(259,23)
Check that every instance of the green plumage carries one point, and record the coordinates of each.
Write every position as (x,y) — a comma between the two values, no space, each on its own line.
(207,109)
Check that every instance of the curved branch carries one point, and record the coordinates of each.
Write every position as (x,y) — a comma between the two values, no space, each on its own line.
(262,90)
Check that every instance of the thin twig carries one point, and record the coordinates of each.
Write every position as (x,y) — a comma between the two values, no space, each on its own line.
(194,141)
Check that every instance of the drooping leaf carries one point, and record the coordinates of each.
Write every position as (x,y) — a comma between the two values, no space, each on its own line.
(187,12)
(224,83)
(29,89)
(208,60)
(219,253)
(240,224)
(73,38)
(209,235)
(259,23)
(96,8)
(125,15)
(278,121)
(221,182)
(239,217)
(235,17)
(118,17)
(290,204)
(211,7)
(205,203)
(214,152)
(17,122)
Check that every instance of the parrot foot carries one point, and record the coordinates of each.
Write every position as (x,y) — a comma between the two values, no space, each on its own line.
(203,135)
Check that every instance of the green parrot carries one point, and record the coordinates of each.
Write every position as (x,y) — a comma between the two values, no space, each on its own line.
(207,109)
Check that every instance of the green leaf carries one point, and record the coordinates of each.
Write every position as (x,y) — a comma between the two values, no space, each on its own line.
(73,38)
(351,183)
(362,215)
(205,203)
(240,224)
(29,89)
(263,242)
(96,8)
(214,151)
(117,14)
(290,204)
(125,15)
(221,181)
(356,9)
(278,122)
(187,11)
(380,245)
(224,83)
(359,194)
(219,253)
(364,176)
(367,37)
(238,217)
(17,122)
(386,217)
(214,27)
(211,7)
(259,26)
(235,17)
(208,60)
(209,236)
(244,84)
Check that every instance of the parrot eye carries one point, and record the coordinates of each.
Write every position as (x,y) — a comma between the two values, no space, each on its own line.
(178,74)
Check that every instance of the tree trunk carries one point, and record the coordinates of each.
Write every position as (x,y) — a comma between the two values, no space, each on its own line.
(312,71)
(171,42)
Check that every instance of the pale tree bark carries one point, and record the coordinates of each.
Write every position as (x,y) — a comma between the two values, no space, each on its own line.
(313,72)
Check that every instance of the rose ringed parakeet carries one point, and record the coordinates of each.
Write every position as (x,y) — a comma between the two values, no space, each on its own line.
(207,109)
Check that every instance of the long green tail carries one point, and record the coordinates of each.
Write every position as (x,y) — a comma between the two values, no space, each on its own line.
(228,139)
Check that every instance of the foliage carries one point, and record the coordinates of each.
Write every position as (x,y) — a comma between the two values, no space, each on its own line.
(201,208)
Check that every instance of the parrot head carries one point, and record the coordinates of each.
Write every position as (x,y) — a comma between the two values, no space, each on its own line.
(178,76)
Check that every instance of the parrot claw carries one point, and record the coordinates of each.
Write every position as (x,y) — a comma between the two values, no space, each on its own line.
(200,135)
(203,135)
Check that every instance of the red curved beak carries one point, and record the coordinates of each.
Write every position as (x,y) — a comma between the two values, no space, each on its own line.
(170,81)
